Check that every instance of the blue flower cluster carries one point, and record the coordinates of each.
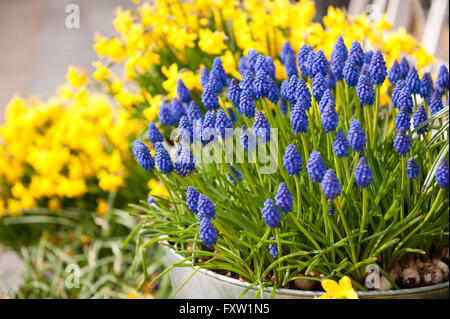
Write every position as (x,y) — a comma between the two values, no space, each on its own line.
(204,208)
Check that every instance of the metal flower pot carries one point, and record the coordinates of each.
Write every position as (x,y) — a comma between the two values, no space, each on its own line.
(206,284)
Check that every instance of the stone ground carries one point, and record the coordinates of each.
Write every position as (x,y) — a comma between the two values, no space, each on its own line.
(35,49)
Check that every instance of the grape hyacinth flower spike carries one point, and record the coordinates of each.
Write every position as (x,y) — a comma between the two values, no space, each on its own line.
(208,234)
(299,118)
(205,207)
(329,118)
(162,159)
(363,173)
(183,92)
(270,213)
(143,155)
(365,91)
(184,162)
(442,174)
(283,198)
(292,160)
(402,142)
(356,136)
(262,127)
(377,68)
(154,134)
(340,146)
(412,81)
(330,185)
(419,117)
(273,248)
(192,199)
(412,169)
(316,167)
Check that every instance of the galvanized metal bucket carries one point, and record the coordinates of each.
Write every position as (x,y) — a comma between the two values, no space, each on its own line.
(206,284)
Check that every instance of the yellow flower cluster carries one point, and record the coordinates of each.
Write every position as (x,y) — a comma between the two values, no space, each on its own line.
(167,40)
(63,148)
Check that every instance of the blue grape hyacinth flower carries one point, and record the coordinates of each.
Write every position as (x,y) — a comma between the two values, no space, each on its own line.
(192,199)
(442,174)
(419,117)
(270,213)
(404,68)
(377,68)
(183,92)
(412,81)
(292,160)
(299,118)
(329,117)
(341,146)
(247,139)
(402,142)
(363,173)
(365,91)
(435,103)
(283,198)
(223,124)
(262,128)
(356,136)
(246,104)
(236,173)
(185,129)
(273,248)
(154,134)
(208,234)
(356,53)
(402,120)
(351,72)
(143,155)
(442,80)
(330,185)
(426,85)
(394,74)
(205,207)
(162,159)
(184,161)
(209,128)
(316,167)
(319,86)
(412,169)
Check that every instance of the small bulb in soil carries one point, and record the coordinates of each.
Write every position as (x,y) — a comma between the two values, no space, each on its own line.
(419,263)
(436,277)
(384,284)
(305,284)
(395,272)
(444,255)
(443,267)
(410,277)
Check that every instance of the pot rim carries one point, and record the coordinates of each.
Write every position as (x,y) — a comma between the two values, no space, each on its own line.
(309,293)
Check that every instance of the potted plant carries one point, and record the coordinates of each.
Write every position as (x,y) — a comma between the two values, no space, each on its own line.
(282,185)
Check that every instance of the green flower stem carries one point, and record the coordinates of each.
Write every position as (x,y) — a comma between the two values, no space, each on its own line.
(364,216)
(350,183)
(305,149)
(279,118)
(347,170)
(325,215)
(329,144)
(352,177)
(338,168)
(375,117)
(358,106)
(299,197)
(402,203)
(340,88)
(415,102)
(347,230)
(433,208)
